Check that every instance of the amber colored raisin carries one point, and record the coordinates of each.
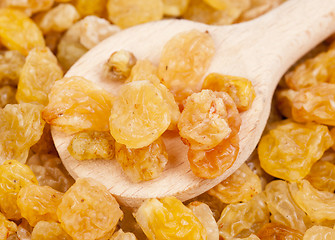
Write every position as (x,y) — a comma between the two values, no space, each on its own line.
(169,219)
(91,7)
(21,126)
(38,203)
(315,104)
(239,88)
(213,162)
(203,123)
(318,205)
(38,75)
(92,145)
(242,219)
(184,60)
(29,6)
(241,186)
(120,235)
(133,12)
(50,171)
(284,101)
(283,152)
(142,164)
(11,63)
(272,231)
(77,104)
(313,71)
(6,227)
(322,176)
(14,176)
(139,114)
(205,216)
(48,230)
(282,207)
(232,6)
(88,211)
(19,32)
(7,96)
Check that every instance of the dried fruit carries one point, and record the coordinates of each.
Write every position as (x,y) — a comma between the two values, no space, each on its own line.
(203,123)
(278,231)
(258,8)
(142,164)
(7,96)
(241,186)
(240,89)
(50,171)
(133,12)
(213,162)
(80,37)
(199,11)
(251,237)
(139,114)
(242,219)
(120,235)
(18,31)
(77,104)
(319,233)
(11,63)
(315,104)
(88,210)
(120,64)
(205,216)
(145,70)
(92,145)
(313,71)
(38,75)
(58,19)
(21,126)
(184,60)
(282,207)
(283,152)
(322,176)
(47,230)
(233,7)
(38,203)
(318,205)
(89,7)
(284,101)
(168,218)
(175,8)
(14,176)
(6,227)
(29,6)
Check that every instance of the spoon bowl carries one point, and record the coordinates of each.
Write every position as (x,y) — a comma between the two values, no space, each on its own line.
(260,50)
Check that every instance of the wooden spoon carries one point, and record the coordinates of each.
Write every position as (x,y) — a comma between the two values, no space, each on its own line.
(260,50)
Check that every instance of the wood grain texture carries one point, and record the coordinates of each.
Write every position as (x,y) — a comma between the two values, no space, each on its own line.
(260,50)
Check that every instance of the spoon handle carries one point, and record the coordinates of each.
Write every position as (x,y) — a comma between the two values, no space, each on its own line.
(276,40)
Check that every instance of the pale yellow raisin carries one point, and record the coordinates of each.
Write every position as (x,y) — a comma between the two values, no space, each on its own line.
(319,233)
(175,8)
(119,65)
(38,75)
(92,145)
(139,114)
(184,60)
(48,230)
(6,227)
(11,63)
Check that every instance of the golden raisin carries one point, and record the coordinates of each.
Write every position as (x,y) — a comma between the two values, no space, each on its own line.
(48,230)
(38,75)
(322,176)
(7,96)
(19,32)
(77,104)
(175,8)
(6,227)
(240,89)
(14,176)
(11,63)
(91,7)
(168,219)
(184,60)
(88,211)
(92,145)
(120,64)
(142,164)
(277,231)
(139,114)
(283,152)
(38,203)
